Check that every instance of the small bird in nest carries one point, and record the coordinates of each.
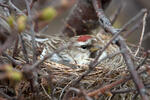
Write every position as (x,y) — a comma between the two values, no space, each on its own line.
(82,50)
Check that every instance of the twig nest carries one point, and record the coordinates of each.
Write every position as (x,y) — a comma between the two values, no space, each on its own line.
(109,69)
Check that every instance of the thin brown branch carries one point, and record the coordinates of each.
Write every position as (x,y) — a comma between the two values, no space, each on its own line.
(117,12)
(106,88)
(142,35)
(127,90)
(134,28)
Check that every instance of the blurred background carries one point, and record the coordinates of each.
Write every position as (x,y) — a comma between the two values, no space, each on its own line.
(131,8)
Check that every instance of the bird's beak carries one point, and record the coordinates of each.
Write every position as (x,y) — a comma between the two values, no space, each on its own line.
(94,52)
(94,49)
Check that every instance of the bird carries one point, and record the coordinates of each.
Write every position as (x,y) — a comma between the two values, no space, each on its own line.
(81,52)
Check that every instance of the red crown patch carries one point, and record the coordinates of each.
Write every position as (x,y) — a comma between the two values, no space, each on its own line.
(84,38)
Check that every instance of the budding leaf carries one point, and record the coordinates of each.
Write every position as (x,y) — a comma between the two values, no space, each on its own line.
(14,75)
(10,21)
(47,14)
(21,22)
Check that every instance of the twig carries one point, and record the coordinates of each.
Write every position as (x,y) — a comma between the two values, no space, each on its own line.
(144,60)
(32,31)
(12,6)
(114,17)
(46,92)
(81,93)
(6,96)
(121,91)
(49,79)
(142,35)
(135,96)
(11,59)
(125,90)
(63,90)
(117,12)
(106,88)
(24,49)
(4,5)
(32,3)
(15,49)
(135,27)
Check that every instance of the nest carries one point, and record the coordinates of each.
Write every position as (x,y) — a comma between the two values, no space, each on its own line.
(61,76)
(106,72)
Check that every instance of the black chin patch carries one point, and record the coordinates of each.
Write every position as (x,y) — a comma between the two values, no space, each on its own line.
(93,54)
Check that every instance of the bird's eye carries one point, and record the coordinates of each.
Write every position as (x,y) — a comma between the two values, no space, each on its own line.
(84,46)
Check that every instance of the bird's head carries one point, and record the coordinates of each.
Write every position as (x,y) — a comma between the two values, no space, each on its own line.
(84,41)
(88,43)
